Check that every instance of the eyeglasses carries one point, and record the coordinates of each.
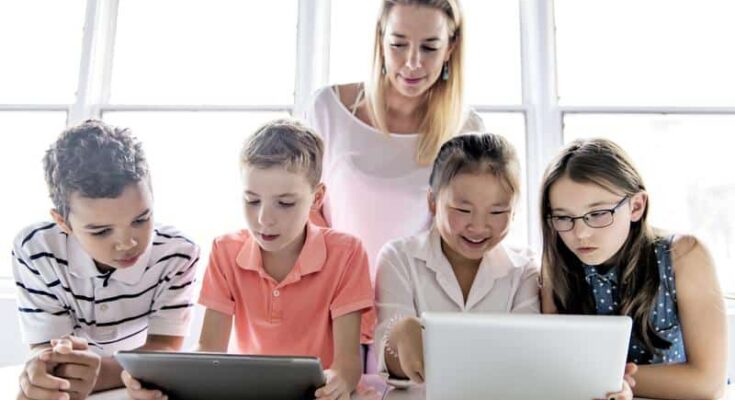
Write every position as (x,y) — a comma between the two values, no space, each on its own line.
(593,219)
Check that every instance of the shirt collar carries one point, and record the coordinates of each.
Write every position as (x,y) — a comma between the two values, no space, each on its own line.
(82,265)
(591,272)
(311,259)
(496,263)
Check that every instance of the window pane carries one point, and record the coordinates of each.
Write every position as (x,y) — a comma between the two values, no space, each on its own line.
(513,127)
(351,35)
(194,167)
(41,48)
(690,190)
(205,52)
(27,136)
(492,59)
(654,52)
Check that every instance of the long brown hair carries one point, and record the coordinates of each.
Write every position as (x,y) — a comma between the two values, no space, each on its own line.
(444,103)
(603,163)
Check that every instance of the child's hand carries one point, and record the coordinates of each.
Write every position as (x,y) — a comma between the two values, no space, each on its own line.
(628,384)
(135,389)
(408,342)
(336,387)
(37,381)
(75,363)
(625,394)
(630,370)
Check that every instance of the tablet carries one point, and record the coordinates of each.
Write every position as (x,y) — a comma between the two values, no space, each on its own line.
(219,376)
(514,356)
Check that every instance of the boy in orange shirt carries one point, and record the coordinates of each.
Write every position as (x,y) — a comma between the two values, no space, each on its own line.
(290,287)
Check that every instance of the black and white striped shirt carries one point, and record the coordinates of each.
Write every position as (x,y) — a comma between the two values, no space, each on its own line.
(61,291)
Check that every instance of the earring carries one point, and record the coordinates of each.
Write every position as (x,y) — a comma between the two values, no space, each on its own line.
(445,71)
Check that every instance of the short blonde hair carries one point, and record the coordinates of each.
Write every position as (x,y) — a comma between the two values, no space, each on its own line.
(286,143)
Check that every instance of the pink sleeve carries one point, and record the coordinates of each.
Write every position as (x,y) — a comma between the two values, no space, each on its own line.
(216,293)
(354,290)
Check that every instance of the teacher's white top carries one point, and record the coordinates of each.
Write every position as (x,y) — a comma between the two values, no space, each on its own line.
(375,189)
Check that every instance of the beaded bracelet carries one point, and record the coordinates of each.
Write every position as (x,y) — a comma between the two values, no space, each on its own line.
(388,329)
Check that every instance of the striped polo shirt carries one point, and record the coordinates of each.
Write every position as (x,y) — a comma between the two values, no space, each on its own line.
(61,291)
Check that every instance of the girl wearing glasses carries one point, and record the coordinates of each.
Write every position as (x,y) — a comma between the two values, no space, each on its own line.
(600,256)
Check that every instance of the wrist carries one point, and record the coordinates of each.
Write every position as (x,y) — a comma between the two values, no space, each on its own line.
(400,330)
(405,329)
(391,335)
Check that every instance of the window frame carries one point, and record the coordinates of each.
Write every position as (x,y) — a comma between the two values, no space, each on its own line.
(540,107)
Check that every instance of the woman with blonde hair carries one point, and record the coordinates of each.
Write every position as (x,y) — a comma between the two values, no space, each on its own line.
(381,136)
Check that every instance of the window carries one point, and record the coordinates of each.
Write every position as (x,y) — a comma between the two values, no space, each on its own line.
(513,127)
(193,92)
(630,72)
(492,60)
(351,40)
(205,52)
(22,146)
(193,78)
(645,53)
(41,46)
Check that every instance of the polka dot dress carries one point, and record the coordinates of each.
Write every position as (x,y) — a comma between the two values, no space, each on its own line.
(664,318)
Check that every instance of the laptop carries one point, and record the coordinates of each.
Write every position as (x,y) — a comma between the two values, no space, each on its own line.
(513,356)
(218,376)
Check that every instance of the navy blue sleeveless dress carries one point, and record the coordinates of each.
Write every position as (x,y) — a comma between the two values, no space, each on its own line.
(664,318)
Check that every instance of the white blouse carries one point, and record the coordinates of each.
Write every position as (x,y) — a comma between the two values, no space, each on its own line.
(375,189)
(415,276)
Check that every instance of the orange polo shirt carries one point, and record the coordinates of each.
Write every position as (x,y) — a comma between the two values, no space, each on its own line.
(331,278)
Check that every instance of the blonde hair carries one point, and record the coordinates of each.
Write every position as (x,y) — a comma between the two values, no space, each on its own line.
(285,143)
(444,104)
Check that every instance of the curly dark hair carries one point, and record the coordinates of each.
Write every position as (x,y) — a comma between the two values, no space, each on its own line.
(94,159)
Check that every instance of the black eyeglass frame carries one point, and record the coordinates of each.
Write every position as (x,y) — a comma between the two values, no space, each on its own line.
(586,217)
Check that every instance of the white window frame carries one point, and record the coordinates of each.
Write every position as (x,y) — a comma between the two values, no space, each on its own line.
(540,106)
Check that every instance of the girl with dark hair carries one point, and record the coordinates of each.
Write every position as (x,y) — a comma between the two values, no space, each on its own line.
(461,263)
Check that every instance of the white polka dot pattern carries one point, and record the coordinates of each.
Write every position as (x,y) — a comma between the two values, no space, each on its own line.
(664,317)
